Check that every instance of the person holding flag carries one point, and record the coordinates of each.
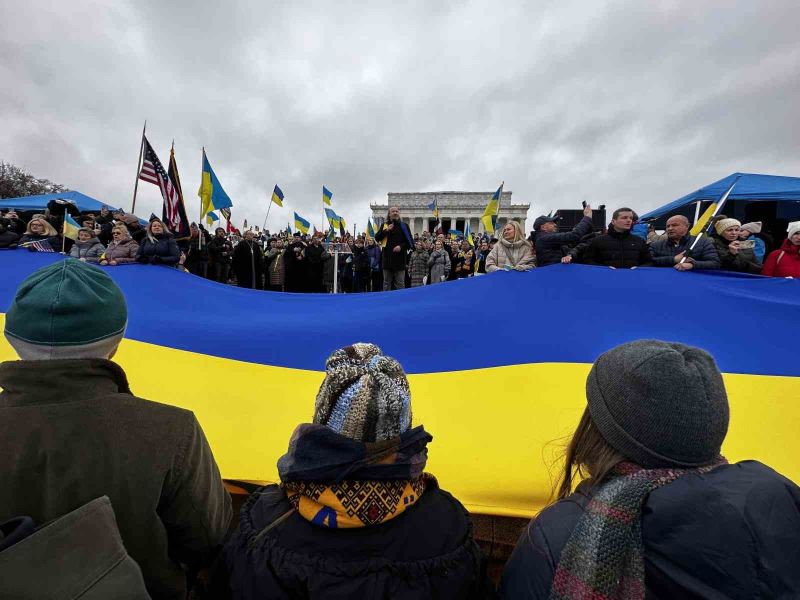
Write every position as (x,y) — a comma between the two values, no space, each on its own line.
(395,239)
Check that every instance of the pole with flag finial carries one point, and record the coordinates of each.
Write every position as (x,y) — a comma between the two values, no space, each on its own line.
(138,168)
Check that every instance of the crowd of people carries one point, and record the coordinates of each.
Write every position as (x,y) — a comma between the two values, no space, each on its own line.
(107,495)
(394,259)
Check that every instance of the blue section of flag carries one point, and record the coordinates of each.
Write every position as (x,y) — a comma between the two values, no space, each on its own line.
(678,312)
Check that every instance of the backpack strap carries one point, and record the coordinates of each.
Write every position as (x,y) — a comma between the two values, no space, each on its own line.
(780,256)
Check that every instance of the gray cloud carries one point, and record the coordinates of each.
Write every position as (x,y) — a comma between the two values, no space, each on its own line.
(619,102)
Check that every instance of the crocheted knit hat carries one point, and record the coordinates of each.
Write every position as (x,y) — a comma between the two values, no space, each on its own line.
(66,310)
(724,224)
(365,395)
(793,228)
(660,404)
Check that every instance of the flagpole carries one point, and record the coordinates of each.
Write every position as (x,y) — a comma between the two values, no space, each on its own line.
(200,222)
(138,168)
(268,209)
(723,199)
(499,198)
(64,233)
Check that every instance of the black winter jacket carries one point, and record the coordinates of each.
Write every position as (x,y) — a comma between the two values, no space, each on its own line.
(732,533)
(427,552)
(163,251)
(549,245)
(622,250)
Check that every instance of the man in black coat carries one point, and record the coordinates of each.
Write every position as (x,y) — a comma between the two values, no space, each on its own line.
(314,254)
(248,262)
(395,237)
(619,248)
(549,242)
(220,251)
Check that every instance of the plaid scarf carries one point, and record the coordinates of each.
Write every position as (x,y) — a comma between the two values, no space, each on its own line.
(604,556)
(337,482)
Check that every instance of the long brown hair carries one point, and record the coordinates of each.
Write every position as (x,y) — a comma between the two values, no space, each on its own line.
(587,456)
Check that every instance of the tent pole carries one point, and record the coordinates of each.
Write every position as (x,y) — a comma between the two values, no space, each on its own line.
(696,211)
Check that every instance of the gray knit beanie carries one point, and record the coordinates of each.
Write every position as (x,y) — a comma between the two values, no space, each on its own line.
(66,310)
(659,404)
(365,395)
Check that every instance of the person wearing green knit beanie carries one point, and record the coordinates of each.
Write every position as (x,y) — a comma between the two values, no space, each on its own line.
(67,310)
(71,431)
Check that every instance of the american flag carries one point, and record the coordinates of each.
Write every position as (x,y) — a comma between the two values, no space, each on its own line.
(43,246)
(153,172)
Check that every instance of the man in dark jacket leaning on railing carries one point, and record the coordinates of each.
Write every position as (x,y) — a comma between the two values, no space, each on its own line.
(71,431)
(671,251)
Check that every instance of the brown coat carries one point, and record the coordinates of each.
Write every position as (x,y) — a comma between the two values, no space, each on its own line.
(123,251)
(517,255)
(71,431)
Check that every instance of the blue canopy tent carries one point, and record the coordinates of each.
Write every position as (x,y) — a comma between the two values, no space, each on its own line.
(82,201)
(774,199)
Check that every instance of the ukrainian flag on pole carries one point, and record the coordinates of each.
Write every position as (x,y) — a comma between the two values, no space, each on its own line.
(327,196)
(489,218)
(301,224)
(277,196)
(70,227)
(212,196)
(333,218)
(370,229)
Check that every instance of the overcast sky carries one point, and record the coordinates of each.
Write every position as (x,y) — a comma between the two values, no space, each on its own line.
(621,103)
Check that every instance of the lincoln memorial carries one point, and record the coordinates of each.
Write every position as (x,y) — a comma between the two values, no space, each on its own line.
(455,209)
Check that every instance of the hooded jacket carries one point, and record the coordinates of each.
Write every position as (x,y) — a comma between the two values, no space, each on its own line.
(72,431)
(79,555)
(518,255)
(424,551)
(784,262)
(730,533)
(91,250)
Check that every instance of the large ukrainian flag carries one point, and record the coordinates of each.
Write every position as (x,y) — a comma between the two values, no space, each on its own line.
(212,196)
(499,414)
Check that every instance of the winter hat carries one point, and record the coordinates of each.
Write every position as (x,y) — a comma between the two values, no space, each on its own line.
(793,228)
(660,404)
(754,227)
(723,224)
(365,395)
(67,310)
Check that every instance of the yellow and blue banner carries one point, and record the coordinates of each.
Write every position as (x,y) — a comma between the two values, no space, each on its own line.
(521,399)
(277,196)
(211,218)
(70,227)
(489,217)
(212,196)
(370,229)
(468,234)
(327,196)
(333,218)
(301,224)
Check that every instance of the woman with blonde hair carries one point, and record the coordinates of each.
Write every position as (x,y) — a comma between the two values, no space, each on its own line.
(40,230)
(122,249)
(158,247)
(647,506)
(512,252)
